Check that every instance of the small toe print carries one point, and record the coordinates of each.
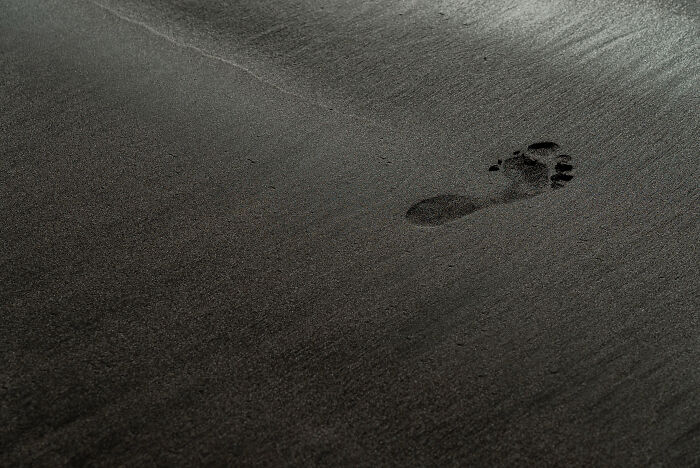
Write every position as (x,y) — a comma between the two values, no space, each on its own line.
(560,176)
(563,167)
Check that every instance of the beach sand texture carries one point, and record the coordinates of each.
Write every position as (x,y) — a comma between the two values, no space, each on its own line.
(262,233)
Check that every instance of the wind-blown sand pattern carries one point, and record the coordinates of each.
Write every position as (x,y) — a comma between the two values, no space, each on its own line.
(257,232)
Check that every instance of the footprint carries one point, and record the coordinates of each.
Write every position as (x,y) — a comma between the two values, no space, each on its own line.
(529,174)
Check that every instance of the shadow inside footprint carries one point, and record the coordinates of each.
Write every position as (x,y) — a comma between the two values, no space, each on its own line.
(526,171)
(441,209)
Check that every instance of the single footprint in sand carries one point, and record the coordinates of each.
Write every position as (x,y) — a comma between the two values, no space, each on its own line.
(531,172)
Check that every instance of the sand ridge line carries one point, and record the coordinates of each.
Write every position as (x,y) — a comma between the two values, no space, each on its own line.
(229,62)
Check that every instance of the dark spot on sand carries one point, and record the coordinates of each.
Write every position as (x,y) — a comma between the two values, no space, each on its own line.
(561,167)
(543,145)
(494,167)
(560,176)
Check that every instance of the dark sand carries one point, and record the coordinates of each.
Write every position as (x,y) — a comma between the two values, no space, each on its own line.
(206,257)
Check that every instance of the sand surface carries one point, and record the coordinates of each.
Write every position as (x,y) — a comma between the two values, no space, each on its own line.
(214,251)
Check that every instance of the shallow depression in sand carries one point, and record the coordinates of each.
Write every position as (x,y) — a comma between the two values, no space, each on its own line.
(441,209)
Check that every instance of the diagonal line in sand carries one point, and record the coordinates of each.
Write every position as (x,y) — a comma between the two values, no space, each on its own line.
(229,62)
